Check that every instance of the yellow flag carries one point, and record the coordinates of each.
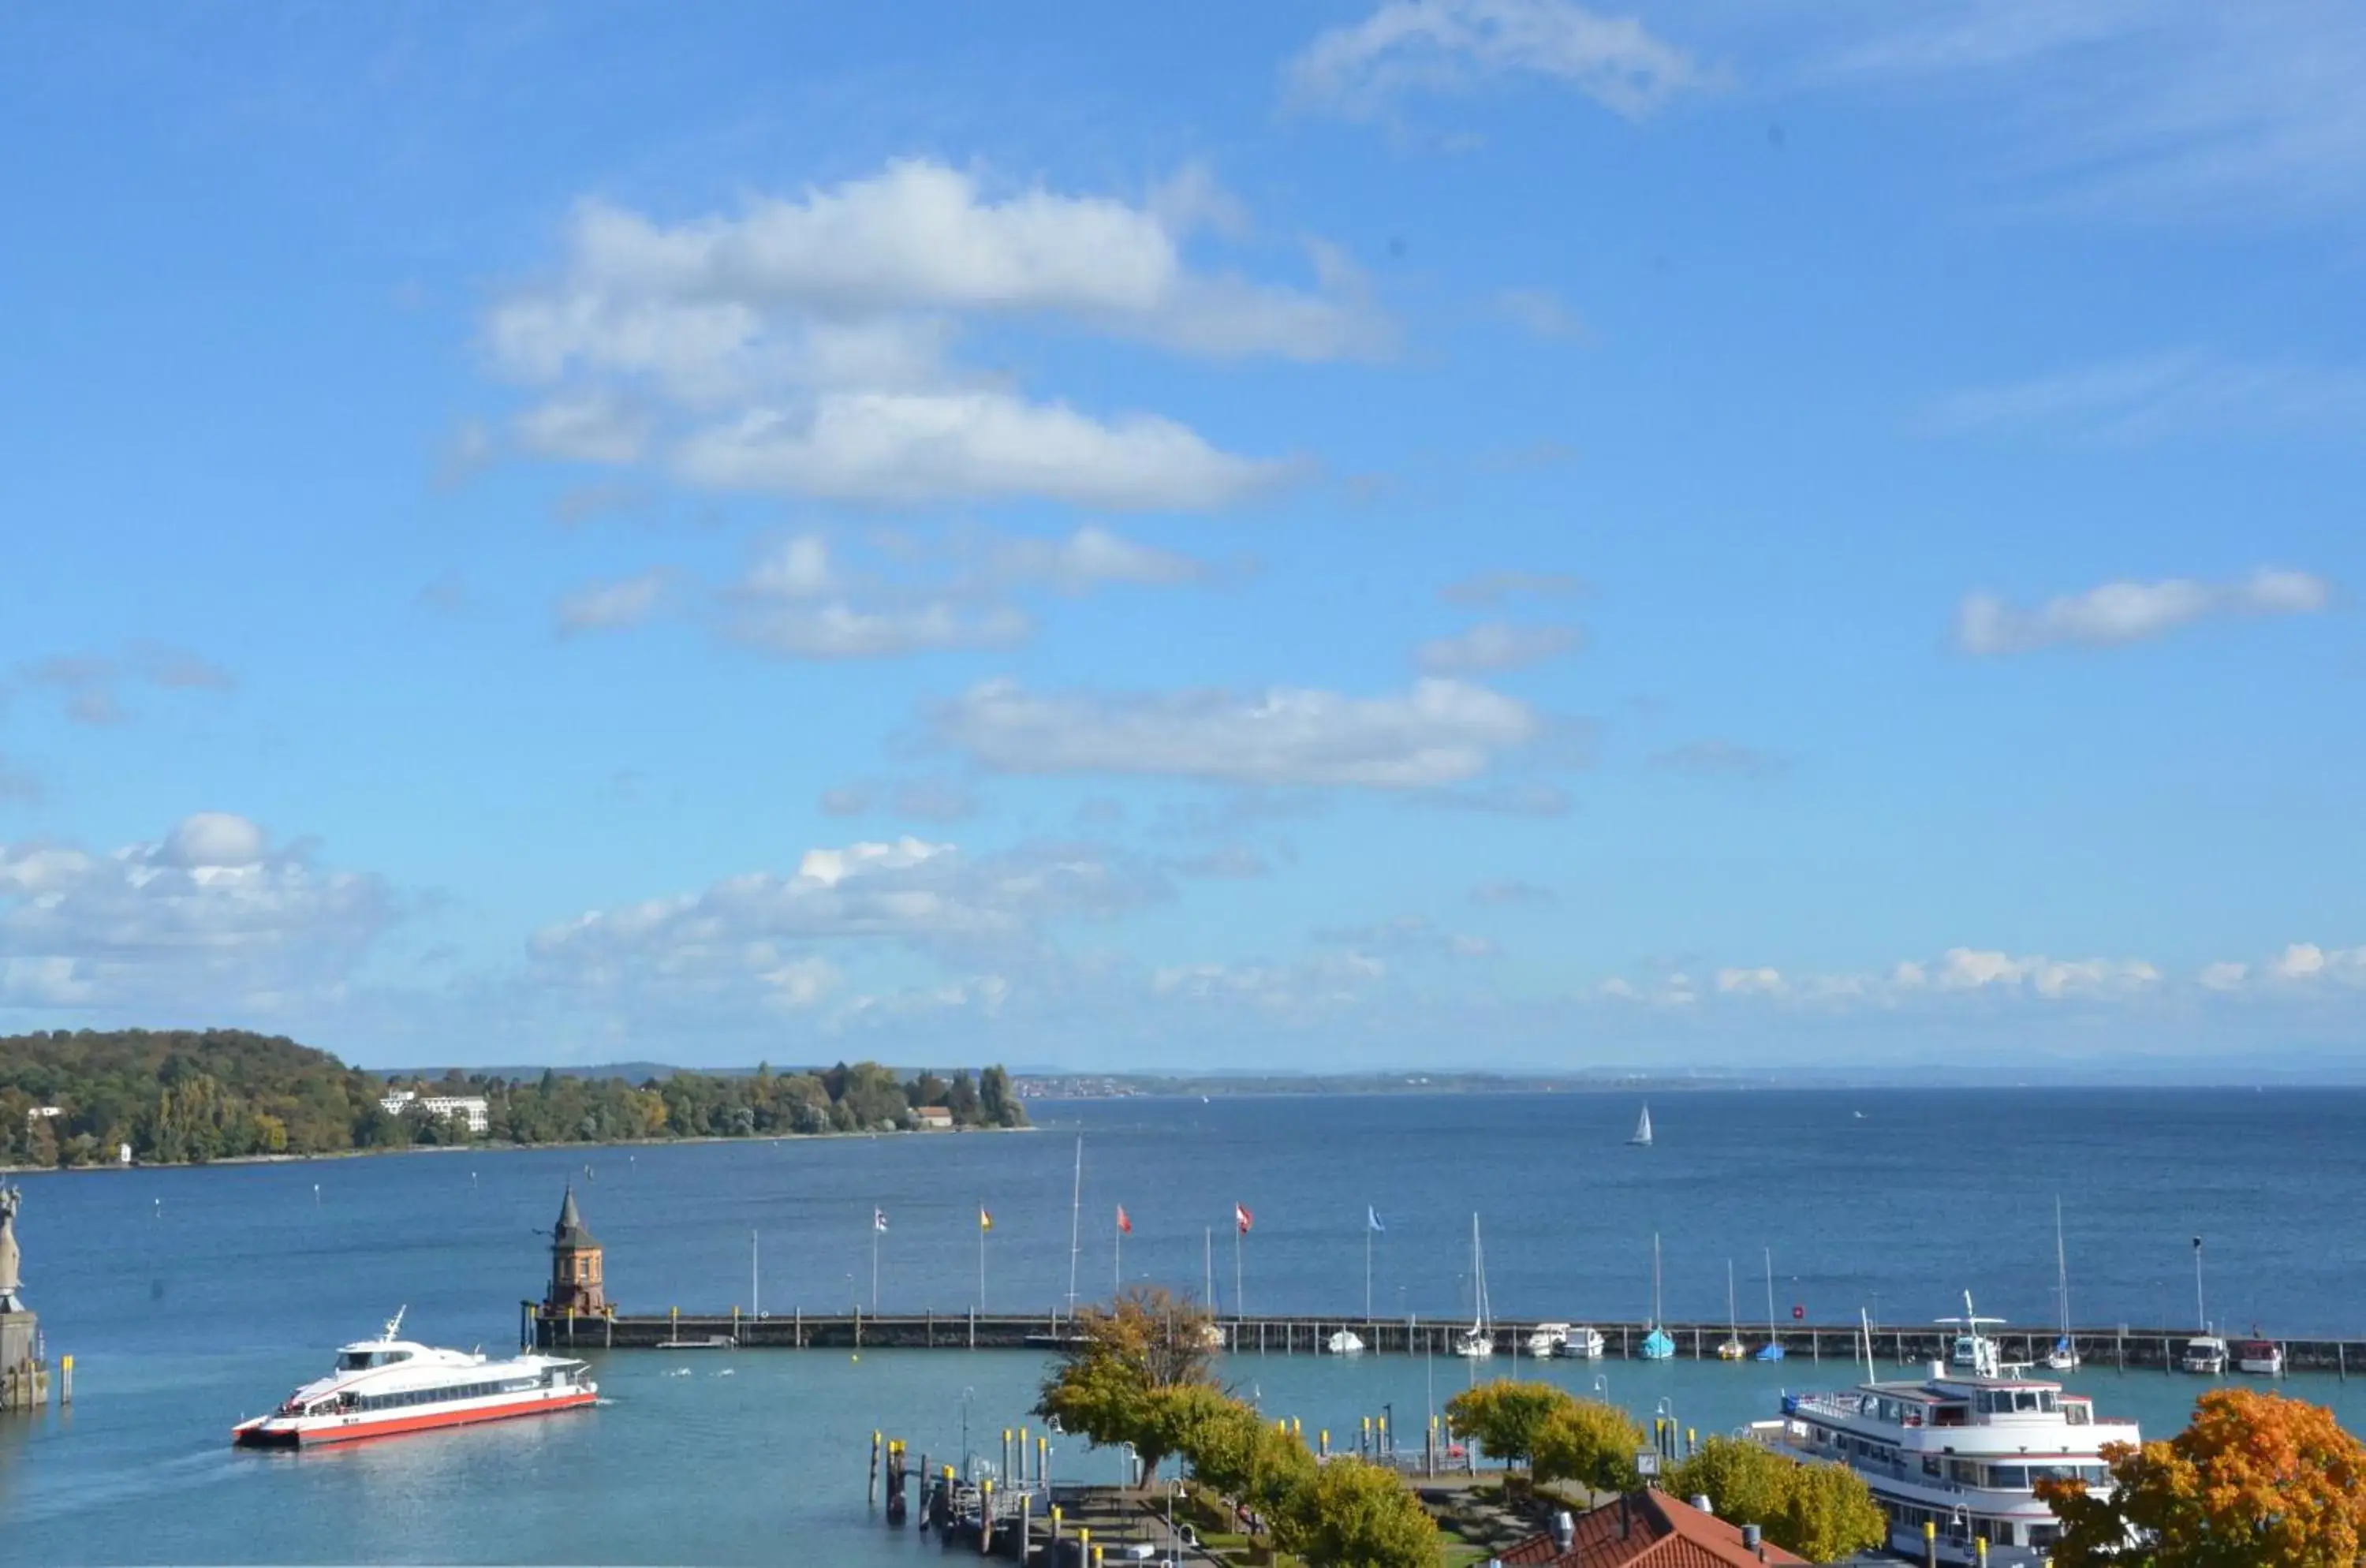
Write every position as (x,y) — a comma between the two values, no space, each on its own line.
(984,1220)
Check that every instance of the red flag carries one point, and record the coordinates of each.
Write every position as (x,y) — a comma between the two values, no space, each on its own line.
(1124,1226)
(1241,1217)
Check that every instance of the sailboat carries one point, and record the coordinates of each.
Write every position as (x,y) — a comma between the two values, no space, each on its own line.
(1642,1138)
(2064,1357)
(1773,1350)
(1657,1345)
(1478,1341)
(1732,1348)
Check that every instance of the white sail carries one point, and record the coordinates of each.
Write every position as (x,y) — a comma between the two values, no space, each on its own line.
(1642,1138)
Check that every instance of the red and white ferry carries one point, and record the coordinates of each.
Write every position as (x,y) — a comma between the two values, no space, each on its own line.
(387,1385)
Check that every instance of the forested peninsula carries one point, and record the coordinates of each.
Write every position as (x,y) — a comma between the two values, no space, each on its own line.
(188,1096)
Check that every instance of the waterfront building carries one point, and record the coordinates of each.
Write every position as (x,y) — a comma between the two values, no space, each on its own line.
(1646,1529)
(469,1108)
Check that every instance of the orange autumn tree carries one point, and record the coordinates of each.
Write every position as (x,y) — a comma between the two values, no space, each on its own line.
(2257,1481)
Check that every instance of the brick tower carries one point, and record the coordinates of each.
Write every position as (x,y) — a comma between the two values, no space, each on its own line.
(574,1265)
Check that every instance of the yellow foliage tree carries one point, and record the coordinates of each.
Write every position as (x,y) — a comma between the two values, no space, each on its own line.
(2256,1481)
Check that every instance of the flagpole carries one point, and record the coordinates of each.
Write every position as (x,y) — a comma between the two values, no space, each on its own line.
(1368,1265)
(755,1280)
(874,1262)
(1238,1295)
(981,1261)
(1207,1267)
(1117,1265)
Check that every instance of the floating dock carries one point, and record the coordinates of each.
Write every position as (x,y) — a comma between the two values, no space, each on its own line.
(2119,1348)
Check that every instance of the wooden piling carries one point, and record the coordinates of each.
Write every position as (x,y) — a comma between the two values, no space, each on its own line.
(871,1489)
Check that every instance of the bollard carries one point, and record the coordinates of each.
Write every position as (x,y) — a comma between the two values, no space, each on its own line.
(986,1516)
(1023,1446)
(65,1383)
(1006,1451)
(1097,1557)
(1043,1452)
(1381,1433)
(1026,1523)
(1323,1450)
(1984,1551)
(1055,1532)
(1930,1544)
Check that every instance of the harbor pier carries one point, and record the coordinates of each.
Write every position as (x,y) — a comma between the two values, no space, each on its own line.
(1908,1349)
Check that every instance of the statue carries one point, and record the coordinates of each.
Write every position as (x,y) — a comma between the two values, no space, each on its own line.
(11,1261)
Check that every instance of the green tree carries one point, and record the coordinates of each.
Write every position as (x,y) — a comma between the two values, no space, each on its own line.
(1506,1415)
(1117,1363)
(1589,1443)
(1819,1511)
(2255,1481)
(1349,1513)
(1744,1482)
(1828,1514)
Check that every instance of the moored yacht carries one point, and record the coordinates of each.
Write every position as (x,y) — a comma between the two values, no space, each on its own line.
(1345,1342)
(1962,1450)
(383,1386)
(2264,1356)
(2204,1354)
(1581,1343)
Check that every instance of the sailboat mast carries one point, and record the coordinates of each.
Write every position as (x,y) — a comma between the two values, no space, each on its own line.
(1655,1279)
(1732,1327)
(2061,1269)
(1076,1224)
(1770,1295)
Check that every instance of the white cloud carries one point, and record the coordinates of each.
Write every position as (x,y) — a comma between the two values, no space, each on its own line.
(2184,394)
(923,799)
(211,916)
(1728,759)
(584,427)
(2178,113)
(2132,611)
(918,447)
(614,606)
(1087,559)
(837,630)
(1436,733)
(1494,645)
(1510,892)
(1235,863)
(2225,976)
(1493,587)
(803,345)
(755,941)
(1760,981)
(1407,47)
(1407,936)
(1540,312)
(91,684)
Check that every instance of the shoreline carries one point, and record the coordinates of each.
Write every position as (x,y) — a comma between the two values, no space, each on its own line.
(486,1148)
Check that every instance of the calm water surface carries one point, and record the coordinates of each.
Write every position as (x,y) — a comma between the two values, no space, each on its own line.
(193,1298)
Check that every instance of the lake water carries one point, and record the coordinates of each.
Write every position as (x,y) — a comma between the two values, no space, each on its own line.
(193,1298)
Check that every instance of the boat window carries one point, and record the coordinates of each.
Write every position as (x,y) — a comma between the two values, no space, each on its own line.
(2047,1402)
(2024,1399)
(1964,1469)
(2012,1476)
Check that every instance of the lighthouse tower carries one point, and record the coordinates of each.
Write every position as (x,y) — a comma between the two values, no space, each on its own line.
(574,1265)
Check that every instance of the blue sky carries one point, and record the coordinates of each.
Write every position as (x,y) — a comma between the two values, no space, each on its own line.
(1483,531)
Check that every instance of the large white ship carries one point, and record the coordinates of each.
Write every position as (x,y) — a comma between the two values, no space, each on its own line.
(1961,1449)
(383,1386)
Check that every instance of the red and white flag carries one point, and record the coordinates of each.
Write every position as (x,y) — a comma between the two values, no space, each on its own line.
(1124,1226)
(1242,1217)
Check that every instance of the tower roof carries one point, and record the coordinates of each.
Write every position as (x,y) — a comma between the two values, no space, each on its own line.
(570,1231)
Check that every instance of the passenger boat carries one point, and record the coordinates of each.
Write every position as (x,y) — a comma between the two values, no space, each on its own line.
(384,1386)
(1583,1344)
(2263,1356)
(2204,1354)
(1962,1450)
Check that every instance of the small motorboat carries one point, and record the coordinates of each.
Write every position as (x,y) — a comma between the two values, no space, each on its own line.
(2263,1358)
(1583,1344)
(1545,1339)
(1345,1343)
(2204,1354)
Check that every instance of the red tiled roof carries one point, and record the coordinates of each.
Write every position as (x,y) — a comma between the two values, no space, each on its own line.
(1648,1529)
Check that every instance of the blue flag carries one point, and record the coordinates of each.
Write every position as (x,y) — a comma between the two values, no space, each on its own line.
(1372,1218)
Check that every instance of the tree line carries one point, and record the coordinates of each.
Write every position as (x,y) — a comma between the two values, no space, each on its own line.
(189,1096)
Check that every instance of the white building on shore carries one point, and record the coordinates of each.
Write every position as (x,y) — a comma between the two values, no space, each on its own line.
(469,1106)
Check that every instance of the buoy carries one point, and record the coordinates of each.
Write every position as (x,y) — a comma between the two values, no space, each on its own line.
(856,1357)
